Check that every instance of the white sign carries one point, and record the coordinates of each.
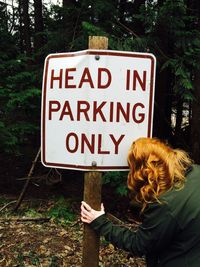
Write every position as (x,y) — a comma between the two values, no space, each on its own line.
(95,103)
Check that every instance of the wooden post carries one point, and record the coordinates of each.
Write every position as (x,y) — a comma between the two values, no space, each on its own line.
(98,42)
(92,189)
(92,195)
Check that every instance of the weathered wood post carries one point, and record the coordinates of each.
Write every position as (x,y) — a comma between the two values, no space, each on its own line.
(92,189)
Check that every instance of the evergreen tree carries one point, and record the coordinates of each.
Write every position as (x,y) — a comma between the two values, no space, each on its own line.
(169,29)
(195,129)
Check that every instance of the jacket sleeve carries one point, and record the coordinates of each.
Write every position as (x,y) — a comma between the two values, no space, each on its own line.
(155,233)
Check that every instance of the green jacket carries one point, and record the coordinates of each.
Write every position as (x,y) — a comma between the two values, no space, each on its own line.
(169,235)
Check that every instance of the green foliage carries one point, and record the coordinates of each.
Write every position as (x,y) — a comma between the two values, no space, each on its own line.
(20,258)
(54,260)
(3,201)
(34,258)
(32,213)
(170,34)
(185,38)
(165,28)
(92,30)
(61,212)
(31,257)
(117,180)
(20,100)
(8,140)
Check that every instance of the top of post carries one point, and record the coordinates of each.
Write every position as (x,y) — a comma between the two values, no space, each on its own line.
(98,42)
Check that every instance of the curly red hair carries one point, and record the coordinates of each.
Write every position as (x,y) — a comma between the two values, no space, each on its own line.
(154,169)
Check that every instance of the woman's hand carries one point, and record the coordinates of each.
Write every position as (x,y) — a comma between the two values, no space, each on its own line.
(88,214)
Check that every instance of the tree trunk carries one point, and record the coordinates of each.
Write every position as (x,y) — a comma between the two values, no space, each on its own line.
(162,112)
(39,26)
(195,127)
(164,83)
(66,3)
(4,14)
(195,123)
(24,18)
(68,22)
(21,42)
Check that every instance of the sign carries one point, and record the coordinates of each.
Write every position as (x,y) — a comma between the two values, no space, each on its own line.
(95,103)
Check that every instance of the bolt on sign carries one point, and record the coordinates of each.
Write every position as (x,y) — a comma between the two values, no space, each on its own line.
(94,104)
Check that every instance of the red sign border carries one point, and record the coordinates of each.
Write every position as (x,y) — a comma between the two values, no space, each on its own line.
(43,111)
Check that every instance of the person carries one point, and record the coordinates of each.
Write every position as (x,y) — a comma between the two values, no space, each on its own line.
(167,185)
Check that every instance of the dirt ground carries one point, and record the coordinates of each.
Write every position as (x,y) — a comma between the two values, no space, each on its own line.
(27,240)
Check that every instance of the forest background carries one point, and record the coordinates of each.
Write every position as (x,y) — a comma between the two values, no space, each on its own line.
(29,31)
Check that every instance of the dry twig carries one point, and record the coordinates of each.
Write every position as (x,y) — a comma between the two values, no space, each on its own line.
(25,219)
(6,205)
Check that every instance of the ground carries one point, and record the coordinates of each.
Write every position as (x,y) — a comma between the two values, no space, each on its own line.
(26,239)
